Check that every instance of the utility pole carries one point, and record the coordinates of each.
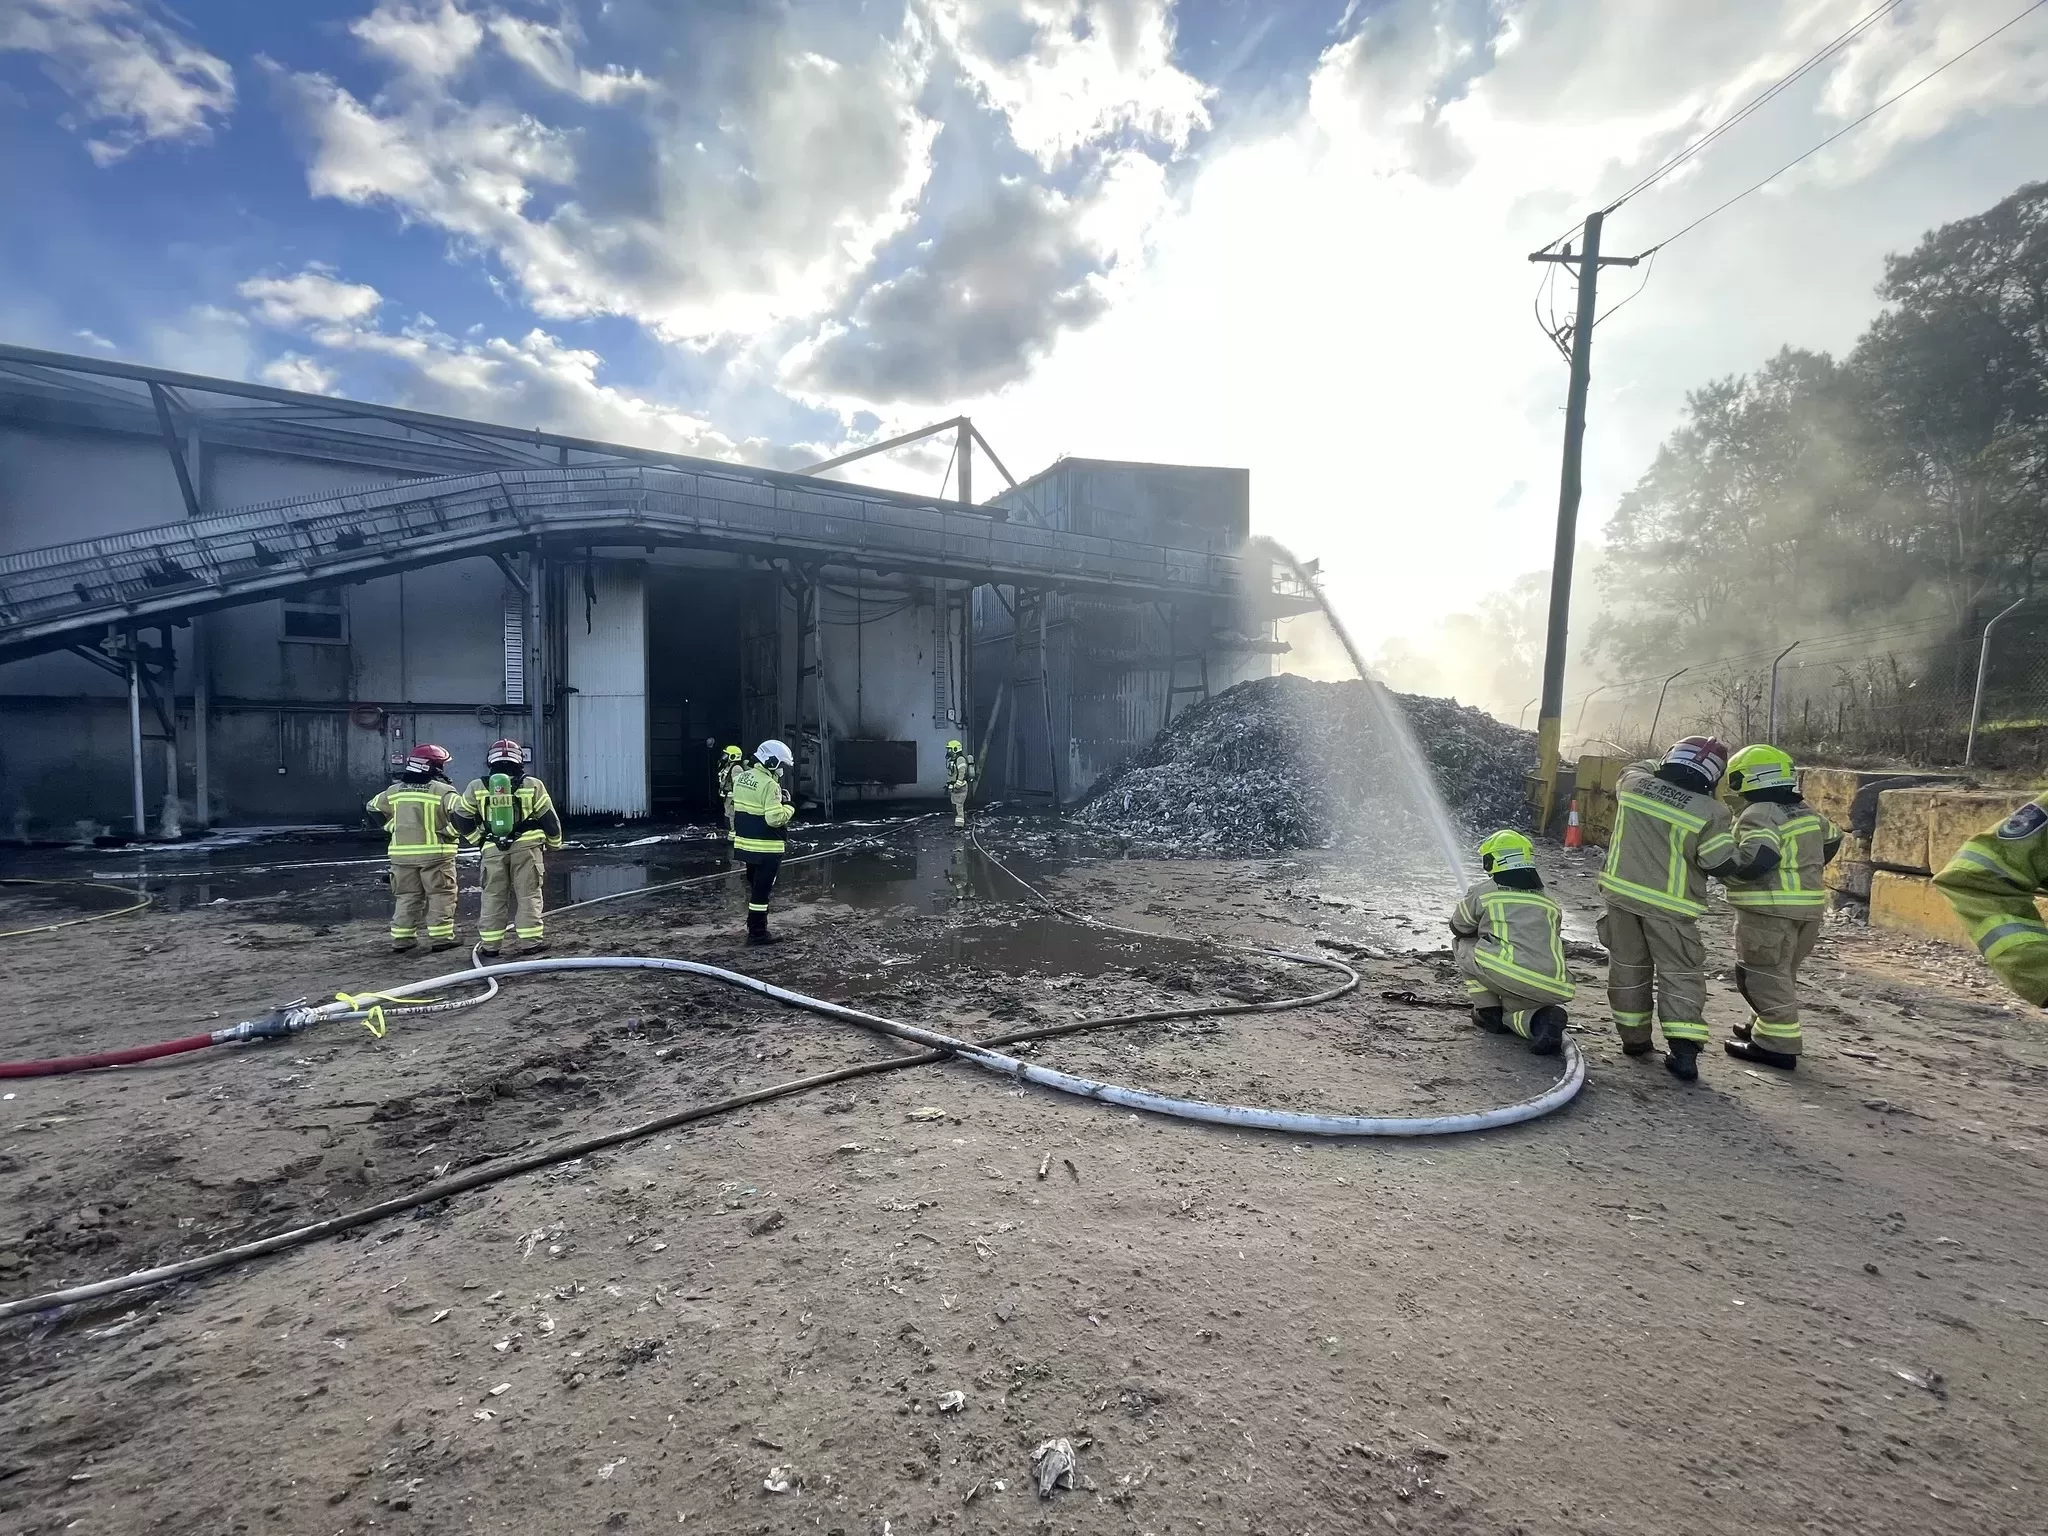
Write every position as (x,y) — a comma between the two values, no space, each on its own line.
(1589,261)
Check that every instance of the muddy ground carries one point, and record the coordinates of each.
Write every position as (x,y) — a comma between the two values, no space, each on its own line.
(1757,1304)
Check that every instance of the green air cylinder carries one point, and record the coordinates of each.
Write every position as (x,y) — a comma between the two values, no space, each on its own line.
(504,806)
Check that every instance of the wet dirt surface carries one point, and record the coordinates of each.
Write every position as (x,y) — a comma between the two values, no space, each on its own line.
(1760,1304)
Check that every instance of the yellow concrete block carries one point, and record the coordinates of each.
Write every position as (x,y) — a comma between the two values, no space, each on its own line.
(1832,791)
(1900,841)
(1595,791)
(1960,814)
(1911,904)
(1849,871)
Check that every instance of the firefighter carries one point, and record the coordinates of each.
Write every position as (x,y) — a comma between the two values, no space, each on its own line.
(1509,945)
(729,769)
(1991,883)
(959,780)
(416,809)
(760,811)
(1670,833)
(1783,845)
(515,823)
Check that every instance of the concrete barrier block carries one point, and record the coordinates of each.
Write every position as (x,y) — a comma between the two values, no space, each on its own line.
(1832,791)
(1900,841)
(1911,904)
(1960,814)
(1848,873)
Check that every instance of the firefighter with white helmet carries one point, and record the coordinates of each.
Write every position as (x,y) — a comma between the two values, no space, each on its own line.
(1778,899)
(959,780)
(417,809)
(1670,834)
(761,810)
(1508,939)
(510,812)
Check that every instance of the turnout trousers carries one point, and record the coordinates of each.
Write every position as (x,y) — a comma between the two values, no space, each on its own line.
(1482,991)
(513,878)
(761,871)
(423,895)
(1658,957)
(1769,949)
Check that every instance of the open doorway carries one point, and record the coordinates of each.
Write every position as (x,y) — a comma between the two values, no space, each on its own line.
(695,621)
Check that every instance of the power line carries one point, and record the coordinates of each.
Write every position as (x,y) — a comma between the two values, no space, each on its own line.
(1849,128)
(1757,103)
(1635,293)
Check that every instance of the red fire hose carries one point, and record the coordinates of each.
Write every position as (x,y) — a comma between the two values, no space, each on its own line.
(57,1066)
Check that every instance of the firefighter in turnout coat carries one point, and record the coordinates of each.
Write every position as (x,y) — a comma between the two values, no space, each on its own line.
(760,812)
(1992,882)
(416,811)
(515,835)
(1670,834)
(1509,944)
(1783,844)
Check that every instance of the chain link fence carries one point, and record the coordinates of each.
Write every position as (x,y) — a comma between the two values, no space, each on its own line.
(1899,694)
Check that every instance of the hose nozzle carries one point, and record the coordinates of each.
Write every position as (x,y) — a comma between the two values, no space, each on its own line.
(275,1025)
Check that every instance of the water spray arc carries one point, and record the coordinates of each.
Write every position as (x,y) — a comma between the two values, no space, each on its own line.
(1386,712)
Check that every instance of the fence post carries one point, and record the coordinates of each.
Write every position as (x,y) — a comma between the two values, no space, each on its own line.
(1659,715)
(1771,720)
(1983,667)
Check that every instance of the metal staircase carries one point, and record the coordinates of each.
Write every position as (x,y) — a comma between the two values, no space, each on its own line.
(70,594)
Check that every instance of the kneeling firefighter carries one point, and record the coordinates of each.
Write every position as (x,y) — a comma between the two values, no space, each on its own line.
(959,780)
(760,812)
(418,810)
(1778,898)
(1670,833)
(1510,947)
(511,813)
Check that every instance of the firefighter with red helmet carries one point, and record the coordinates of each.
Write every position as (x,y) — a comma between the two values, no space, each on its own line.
(418,810)
(1670,834)
(509,811)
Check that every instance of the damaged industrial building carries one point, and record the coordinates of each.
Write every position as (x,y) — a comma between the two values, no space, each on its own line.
(222,603)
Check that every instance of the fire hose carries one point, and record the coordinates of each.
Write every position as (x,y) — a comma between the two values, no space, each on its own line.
(936,1046)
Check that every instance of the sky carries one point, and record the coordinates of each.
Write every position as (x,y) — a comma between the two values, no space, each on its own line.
(1290,235)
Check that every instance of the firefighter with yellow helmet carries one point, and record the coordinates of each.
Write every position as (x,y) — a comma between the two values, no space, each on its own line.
(1509,943)
(729,768)
(1783,844)
(1670,834)
(959,780)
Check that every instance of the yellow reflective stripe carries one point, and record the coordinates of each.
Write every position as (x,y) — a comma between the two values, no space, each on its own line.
(1664,901)
(1685,1029)
(1763,897)
(759,845)
(2001,936)
(1990,863)
(1774,1031)
(1661,811)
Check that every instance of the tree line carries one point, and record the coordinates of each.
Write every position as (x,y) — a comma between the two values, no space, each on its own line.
(1906,480)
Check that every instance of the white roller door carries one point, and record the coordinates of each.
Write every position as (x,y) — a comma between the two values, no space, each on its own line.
(606,621)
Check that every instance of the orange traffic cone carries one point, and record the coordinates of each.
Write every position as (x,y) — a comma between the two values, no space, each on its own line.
(1571,825)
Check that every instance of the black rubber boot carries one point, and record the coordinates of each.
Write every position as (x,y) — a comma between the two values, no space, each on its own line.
(758,938)
(532,946)
(401,946)
(1546,1031)
(1635,1047)
(1740,1031)
(487,954)
(1748,1050)
(1682,1060)
(1490,1020)
(440,944)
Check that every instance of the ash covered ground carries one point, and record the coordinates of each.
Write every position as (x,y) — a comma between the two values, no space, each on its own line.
(1281,763)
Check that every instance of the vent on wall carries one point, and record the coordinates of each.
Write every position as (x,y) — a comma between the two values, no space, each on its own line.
(515,649)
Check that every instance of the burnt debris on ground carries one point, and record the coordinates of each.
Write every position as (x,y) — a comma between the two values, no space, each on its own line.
(1282,762)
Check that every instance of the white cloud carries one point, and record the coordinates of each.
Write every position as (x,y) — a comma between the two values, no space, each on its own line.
(134,78)
(93,338)
(291,371)
(204,339)
(314,294)
(1066,73)
(549,53)
(697,217)
(430,41)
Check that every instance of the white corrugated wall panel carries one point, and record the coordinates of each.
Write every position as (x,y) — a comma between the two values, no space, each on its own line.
(607,668)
